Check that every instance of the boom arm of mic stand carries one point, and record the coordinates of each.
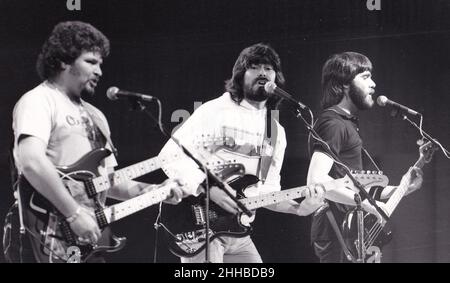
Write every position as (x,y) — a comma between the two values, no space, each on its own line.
(213,177)
(426,135)
(360,187)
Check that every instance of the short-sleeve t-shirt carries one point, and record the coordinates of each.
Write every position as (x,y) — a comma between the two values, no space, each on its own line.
(67,128)
(340,130)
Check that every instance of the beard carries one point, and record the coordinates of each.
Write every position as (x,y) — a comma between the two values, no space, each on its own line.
(359,98)
(87,91)
(255,92)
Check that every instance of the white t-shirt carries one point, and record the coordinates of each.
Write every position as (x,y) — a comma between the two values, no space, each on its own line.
(66,128)
(223,118)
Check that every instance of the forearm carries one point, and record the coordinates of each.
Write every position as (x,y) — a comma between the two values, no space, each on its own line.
(340,195)
(289,206)
(185,170)
(42,175)
(127,190)
(387,192)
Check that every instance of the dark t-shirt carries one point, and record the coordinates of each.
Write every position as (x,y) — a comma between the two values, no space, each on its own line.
(340,131)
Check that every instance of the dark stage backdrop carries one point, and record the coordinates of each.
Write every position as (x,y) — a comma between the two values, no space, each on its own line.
(182,51)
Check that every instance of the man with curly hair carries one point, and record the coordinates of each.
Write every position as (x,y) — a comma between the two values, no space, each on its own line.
(53,127)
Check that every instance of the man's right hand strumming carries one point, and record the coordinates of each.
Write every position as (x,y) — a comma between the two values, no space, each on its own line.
(223,200)
(84,225)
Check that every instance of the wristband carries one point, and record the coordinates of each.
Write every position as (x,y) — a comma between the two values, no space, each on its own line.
(74,216)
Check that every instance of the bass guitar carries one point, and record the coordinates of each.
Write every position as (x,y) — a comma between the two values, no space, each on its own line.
(377,234)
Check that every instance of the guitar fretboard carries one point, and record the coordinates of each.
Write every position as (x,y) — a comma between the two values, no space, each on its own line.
(103,183)
(273,198)
(400,192)
(128,207)
(284,195)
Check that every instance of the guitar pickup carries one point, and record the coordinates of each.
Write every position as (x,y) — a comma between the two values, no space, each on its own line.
(199,215)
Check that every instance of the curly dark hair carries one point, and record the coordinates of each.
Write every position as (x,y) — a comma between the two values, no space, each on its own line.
(259,53)
(66,43)
(339,70)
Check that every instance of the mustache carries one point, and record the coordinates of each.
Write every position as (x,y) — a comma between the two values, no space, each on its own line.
(261,80)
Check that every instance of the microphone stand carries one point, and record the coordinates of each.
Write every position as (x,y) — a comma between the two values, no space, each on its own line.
(424,134)
(298,107)
(137,105)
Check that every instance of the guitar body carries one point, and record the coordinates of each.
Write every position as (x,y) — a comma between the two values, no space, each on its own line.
(185,223)
(51,237)
(373,242)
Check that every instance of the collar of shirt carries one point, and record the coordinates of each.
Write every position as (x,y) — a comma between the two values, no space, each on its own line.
(343,113)
(245,104)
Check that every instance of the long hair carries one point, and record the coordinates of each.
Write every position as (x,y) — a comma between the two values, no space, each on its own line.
(259,53)
(340,70)
(66,43)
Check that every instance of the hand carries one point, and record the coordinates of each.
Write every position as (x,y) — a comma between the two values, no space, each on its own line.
(223,200)
(415,178)
(315,192)
(176,191)
(315,198)
(372,210)
(85,227)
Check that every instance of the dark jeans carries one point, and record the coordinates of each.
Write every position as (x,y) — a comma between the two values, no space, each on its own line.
(329,251)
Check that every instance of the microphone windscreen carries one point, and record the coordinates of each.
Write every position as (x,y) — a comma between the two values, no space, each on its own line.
(111,93)
(269,87)
(382,100)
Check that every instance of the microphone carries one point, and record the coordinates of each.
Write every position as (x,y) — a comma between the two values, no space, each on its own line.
(383,101)
(114,93)
(272,88)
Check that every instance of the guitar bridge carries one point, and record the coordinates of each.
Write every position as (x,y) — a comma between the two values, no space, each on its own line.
(199,213)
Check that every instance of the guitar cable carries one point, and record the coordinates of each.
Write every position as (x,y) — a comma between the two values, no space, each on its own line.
(207,193)
(156,225)
(24,229)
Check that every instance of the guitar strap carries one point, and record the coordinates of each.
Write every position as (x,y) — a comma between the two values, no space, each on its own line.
(269,144)
(100,125)
(15,184)
(339,234)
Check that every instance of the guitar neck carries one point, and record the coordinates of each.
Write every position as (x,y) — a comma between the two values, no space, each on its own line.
(103,183)
(402,188)
(128,207)
(284,195)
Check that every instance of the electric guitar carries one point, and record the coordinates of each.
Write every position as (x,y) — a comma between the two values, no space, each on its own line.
(376,234)
(95,183)
(50,234)
(184,223)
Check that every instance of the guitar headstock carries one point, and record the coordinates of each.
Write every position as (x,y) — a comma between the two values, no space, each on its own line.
(225,171)
(426,151)
(213,144)
(367,179)
(371,178)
